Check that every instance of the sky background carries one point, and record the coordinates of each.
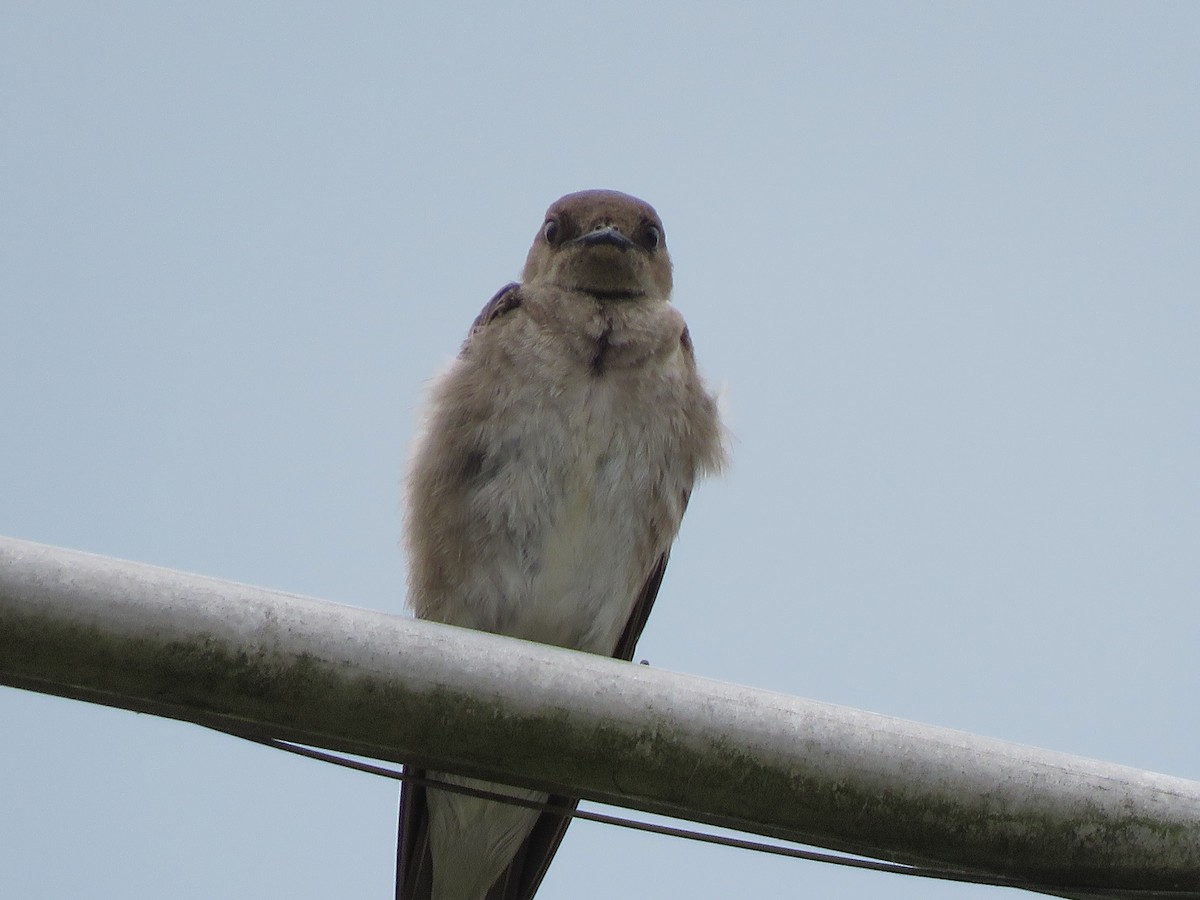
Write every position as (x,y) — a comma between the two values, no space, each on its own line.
(940,259)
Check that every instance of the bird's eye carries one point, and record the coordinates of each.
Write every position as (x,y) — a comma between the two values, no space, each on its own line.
(550,231)
(652,237)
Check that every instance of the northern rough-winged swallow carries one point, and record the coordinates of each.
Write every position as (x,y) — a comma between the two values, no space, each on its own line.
(545,492)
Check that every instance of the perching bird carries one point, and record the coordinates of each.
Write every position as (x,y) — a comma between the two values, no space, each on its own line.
(545,492)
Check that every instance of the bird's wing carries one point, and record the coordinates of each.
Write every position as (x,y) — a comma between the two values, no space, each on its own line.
(414,863)
(503,301)
(641,610)
(520,881)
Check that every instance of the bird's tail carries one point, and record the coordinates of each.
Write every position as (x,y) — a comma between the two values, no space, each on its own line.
(484,849)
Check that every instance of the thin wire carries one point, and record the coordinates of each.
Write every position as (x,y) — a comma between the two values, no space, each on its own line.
(958,875)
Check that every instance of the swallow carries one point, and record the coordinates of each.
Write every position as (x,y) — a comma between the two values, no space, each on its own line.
(545,491)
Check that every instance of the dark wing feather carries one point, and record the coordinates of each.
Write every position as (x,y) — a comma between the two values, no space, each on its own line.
(503,301)
(414,863)
(641,611)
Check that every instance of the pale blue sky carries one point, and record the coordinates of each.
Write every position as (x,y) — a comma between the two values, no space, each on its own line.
(941,258)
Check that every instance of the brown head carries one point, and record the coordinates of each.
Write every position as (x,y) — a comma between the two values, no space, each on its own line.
(604,243)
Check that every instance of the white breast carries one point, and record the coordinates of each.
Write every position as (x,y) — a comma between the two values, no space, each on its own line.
(589,468)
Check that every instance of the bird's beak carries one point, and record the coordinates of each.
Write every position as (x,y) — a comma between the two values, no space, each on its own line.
(605,235)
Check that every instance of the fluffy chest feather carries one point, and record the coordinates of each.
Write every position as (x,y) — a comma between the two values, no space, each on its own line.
(588,486)
(555,471)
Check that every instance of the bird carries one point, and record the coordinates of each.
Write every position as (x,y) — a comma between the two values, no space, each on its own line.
(546,488)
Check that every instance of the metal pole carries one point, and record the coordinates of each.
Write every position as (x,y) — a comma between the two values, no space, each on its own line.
(274,664)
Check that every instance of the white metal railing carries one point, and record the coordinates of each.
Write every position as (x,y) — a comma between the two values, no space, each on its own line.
(269,664)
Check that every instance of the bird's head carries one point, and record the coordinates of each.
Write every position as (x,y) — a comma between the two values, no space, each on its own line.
(604,243)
